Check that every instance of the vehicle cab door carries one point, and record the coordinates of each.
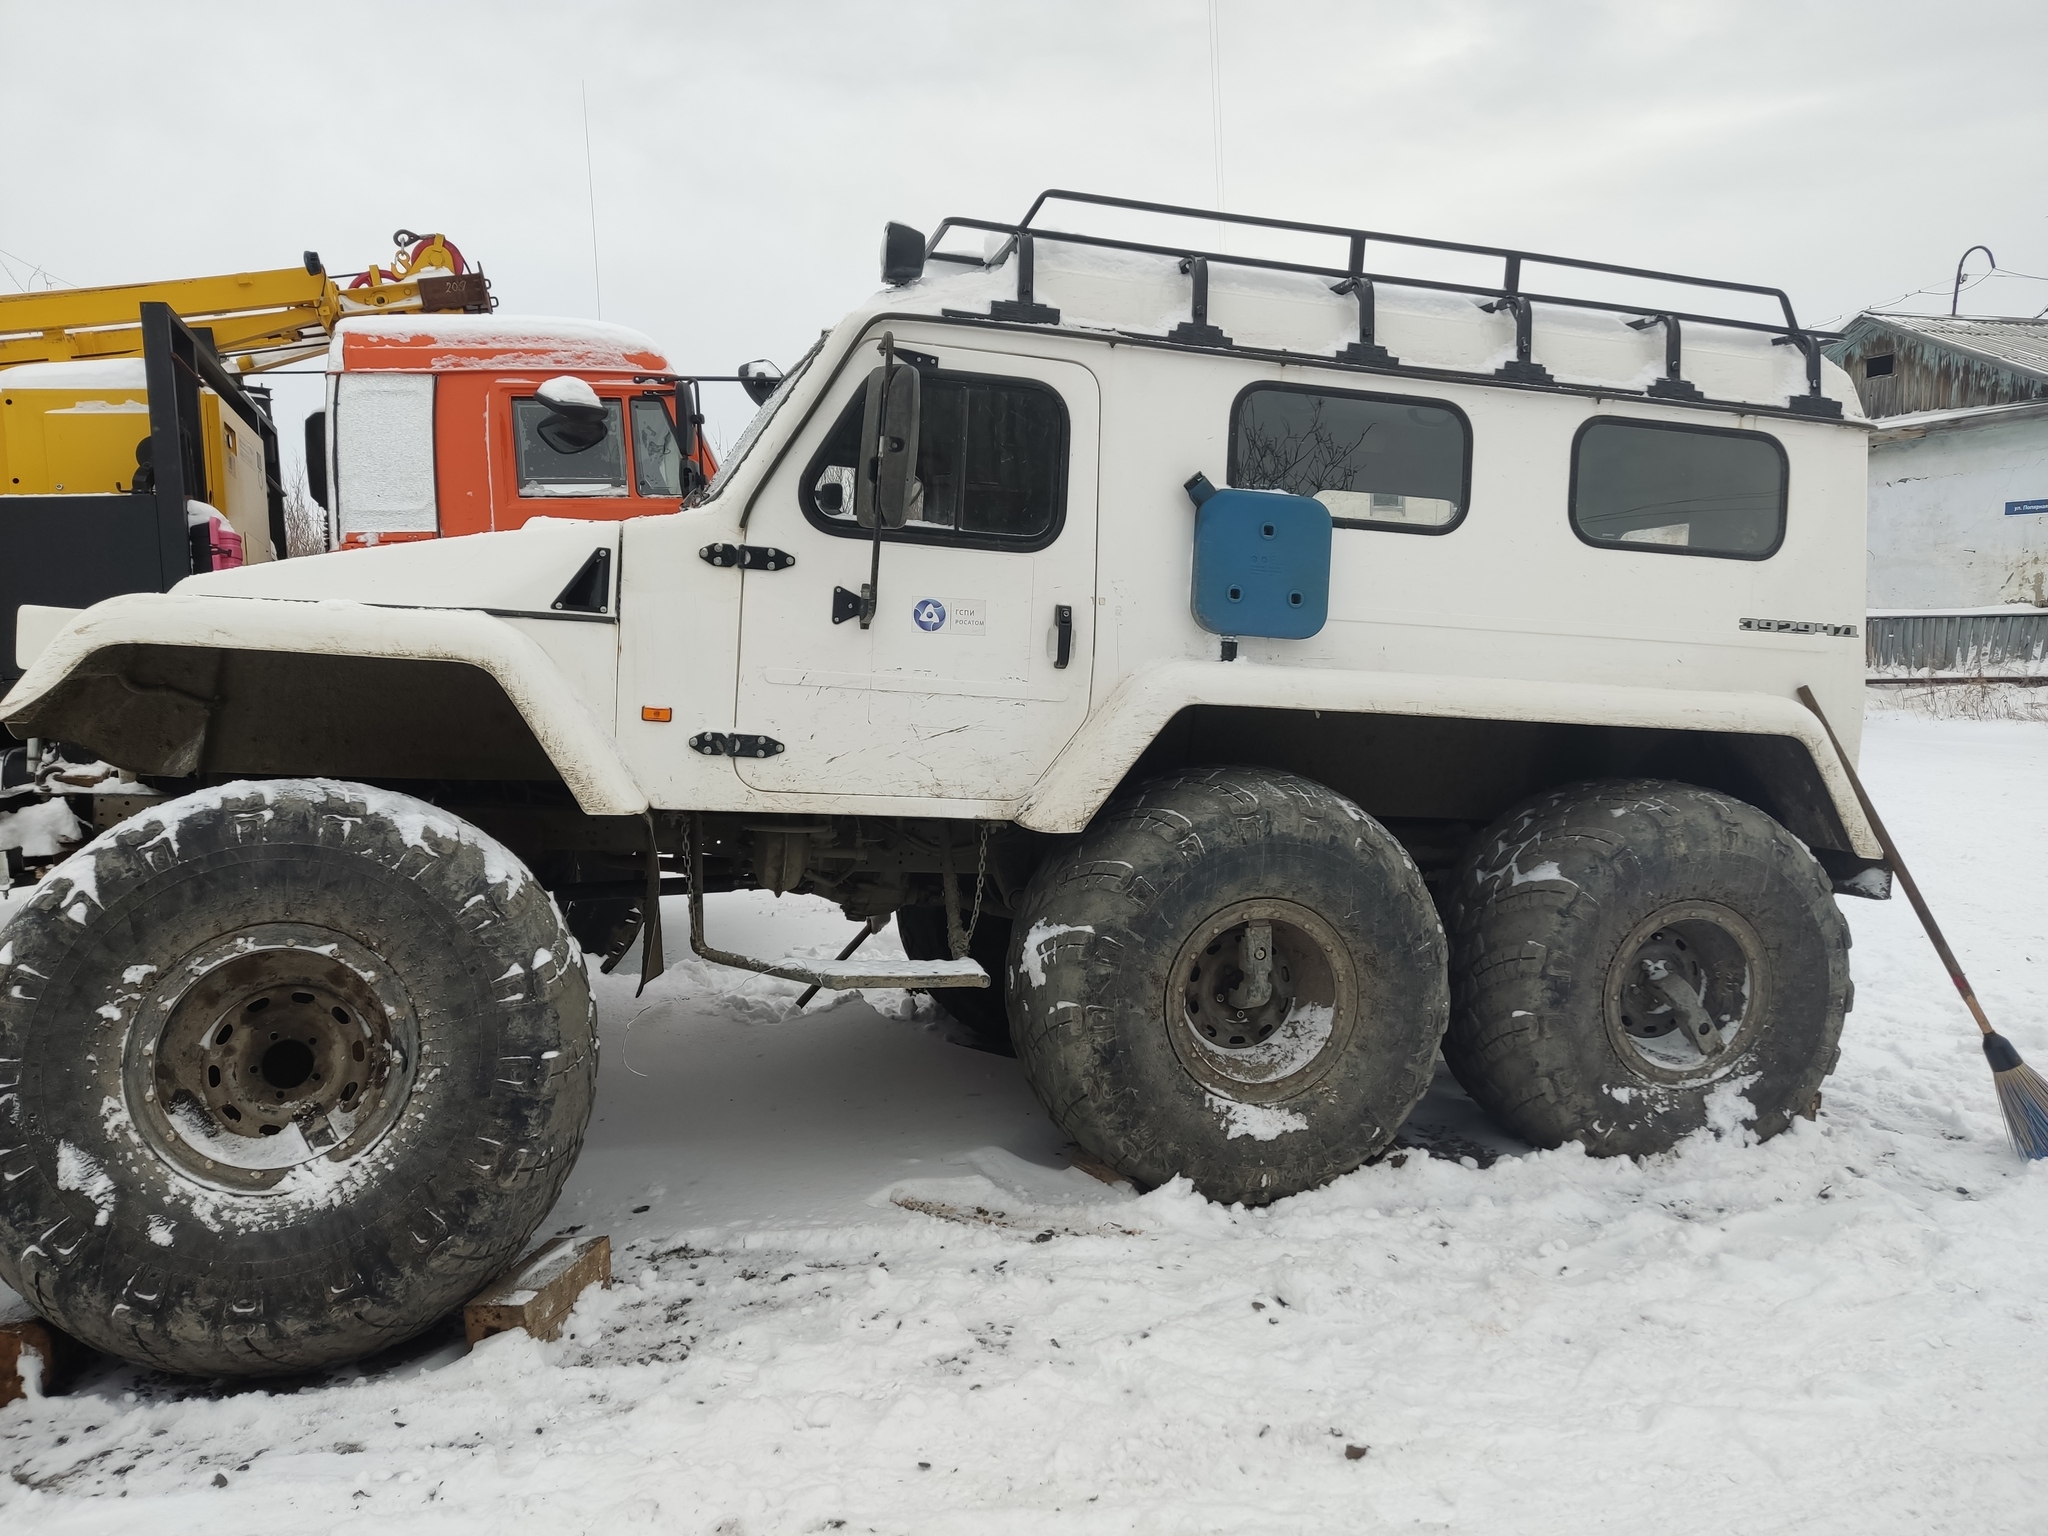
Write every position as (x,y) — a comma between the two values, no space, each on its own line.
(975,672)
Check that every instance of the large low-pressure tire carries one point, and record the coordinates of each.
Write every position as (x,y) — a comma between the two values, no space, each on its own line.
(288,1070)
(1620,951)
(1136,1006)
(982,1011)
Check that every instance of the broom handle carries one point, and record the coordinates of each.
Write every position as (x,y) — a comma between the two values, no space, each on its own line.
(1891,853)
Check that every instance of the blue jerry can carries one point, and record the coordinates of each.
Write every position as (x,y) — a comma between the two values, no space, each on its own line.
(1262,562)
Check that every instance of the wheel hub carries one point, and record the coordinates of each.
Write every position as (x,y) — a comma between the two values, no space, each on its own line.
(1685,990)
(285,1055)
(1261,1000)
(269,1049)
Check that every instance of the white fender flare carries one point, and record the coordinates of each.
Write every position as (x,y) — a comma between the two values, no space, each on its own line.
(579,744)
(1095,761)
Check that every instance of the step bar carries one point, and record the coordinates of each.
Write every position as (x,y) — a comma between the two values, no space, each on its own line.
(841,974)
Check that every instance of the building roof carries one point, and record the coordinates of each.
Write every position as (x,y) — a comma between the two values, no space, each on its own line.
(1917,424)
(2018,346)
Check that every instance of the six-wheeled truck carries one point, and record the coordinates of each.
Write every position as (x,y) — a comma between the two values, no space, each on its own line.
(1239,677)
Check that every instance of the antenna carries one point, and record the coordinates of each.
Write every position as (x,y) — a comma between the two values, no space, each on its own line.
(1216,96)
(590,189)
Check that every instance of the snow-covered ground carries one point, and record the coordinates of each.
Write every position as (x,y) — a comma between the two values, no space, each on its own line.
(860,1287)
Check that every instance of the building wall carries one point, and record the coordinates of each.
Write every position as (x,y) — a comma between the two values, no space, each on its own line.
(1925,376)
(1940,536)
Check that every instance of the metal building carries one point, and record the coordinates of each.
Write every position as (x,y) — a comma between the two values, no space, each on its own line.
(1913,363)
(1958,576)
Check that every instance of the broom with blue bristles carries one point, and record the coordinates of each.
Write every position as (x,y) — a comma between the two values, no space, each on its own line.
(2021,1092)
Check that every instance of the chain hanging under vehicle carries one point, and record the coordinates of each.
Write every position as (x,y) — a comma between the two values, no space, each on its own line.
(958,938)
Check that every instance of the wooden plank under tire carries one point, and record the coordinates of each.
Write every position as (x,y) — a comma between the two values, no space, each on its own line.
(33,1348)
(537,1293)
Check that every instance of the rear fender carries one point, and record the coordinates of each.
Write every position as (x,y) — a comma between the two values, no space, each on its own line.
(1105,750)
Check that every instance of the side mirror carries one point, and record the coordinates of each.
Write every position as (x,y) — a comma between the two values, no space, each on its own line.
(902,254)
(316,457)
(576,417)
(887,479)
(759,379)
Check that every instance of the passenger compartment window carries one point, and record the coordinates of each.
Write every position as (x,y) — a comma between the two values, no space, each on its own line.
(547,470)
(1676,489)
(991,465)
(1376,461)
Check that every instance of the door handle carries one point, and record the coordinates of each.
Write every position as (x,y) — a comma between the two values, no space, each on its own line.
(1063,627)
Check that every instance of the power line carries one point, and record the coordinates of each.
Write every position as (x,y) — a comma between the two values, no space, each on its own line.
(1916,293)
(34,267)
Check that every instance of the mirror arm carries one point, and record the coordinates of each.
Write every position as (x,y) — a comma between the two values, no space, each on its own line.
(870,594)
(688,420)
(871,589)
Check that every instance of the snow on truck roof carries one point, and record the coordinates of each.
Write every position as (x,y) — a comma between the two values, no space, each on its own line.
(1137,295)
(97,373)
(1583,325)
(449,343)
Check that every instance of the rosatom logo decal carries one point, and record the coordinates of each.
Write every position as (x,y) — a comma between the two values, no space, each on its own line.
(930,613)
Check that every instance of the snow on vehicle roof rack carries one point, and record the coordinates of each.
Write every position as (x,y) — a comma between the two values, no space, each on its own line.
(1353,277)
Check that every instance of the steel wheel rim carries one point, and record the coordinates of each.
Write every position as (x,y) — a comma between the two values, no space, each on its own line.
(269,1049)
(1279,1049)
(1715,951)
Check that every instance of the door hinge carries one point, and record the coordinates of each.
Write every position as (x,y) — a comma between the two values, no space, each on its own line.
(734,744)
(748,557)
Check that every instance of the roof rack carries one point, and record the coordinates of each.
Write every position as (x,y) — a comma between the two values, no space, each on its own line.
(1354,278)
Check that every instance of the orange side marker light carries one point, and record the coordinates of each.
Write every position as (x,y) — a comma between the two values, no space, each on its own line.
(659,716)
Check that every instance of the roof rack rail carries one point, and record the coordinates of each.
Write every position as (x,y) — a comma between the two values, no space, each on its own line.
(1354,278)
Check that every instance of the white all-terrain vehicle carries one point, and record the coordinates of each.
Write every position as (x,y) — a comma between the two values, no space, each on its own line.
(1241,675)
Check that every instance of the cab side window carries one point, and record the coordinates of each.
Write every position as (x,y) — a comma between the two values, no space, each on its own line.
(657,456)
(1376,461)
(991,465)
(1676,489)
(559,468)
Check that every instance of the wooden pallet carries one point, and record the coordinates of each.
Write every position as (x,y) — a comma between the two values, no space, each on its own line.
(32,1348)
(537,1292)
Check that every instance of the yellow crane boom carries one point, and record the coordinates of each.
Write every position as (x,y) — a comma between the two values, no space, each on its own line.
(259,320)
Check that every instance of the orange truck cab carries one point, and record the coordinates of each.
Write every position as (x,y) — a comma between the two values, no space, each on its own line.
(437,425)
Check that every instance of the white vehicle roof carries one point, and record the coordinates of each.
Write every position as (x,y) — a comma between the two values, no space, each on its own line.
(1733,337)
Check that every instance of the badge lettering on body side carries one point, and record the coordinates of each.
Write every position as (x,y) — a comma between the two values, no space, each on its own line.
(967,616)
(1799,627)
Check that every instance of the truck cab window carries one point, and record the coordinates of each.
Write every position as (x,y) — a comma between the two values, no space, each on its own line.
(1376,461)
(991,465)
(657,456)
(1674,489)
(599,470)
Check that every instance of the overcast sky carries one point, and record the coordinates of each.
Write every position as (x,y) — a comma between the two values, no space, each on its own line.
(745,156)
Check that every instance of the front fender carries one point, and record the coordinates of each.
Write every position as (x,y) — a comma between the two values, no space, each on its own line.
(102,681)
